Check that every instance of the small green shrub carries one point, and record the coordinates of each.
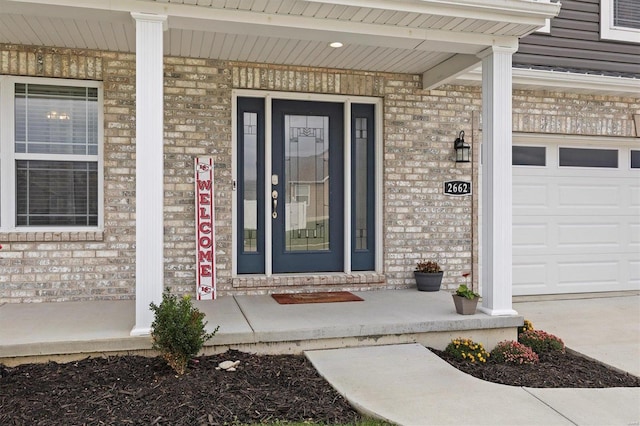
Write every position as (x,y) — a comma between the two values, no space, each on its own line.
(467,349)
(541,341)
(513,353)
(528,325)
(466,292)
(178,330)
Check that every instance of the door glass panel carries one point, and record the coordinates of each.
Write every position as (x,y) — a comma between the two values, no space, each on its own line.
(362,187)
(360,184)
(250,232)
(306,183)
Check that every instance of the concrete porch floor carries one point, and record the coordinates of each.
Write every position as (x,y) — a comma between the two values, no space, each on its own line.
(75,330)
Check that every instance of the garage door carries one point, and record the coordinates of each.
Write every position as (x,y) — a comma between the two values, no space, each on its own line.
(576,217)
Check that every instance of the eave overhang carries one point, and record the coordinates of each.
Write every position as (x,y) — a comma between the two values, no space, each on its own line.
(409,36)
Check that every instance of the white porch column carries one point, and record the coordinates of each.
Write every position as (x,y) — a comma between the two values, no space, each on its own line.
(149,167)
(496,181)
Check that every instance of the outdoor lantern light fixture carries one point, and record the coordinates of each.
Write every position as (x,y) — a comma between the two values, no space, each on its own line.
(462,149)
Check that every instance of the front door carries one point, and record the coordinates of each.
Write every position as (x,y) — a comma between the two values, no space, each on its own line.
(305,188)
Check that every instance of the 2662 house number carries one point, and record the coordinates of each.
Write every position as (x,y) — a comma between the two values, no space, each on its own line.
(457,188)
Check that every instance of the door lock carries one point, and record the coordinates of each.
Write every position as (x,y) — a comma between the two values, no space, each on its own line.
(274,196)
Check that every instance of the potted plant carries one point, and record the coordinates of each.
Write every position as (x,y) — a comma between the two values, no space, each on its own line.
(428,275)
(465,300)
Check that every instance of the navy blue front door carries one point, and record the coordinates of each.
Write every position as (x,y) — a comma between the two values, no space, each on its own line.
(307,186)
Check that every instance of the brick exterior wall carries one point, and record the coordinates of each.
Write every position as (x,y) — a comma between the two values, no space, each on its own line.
(419,129)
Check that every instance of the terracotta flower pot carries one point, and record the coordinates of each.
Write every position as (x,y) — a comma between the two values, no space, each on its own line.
(465,306)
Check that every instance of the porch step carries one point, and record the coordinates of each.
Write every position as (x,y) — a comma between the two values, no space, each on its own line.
(258,324)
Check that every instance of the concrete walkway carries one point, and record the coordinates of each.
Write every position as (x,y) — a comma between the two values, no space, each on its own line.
(409,385)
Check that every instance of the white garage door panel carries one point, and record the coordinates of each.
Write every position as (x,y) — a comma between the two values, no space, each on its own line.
(596,196)
(575,229)
(531,276)
(544,274)
(634,235)
(634,196)
(529,236)
(634,273)
(589,234)
(557,235)
(530,196)
(588,273)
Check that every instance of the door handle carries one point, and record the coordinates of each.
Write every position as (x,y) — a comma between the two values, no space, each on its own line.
(274,196)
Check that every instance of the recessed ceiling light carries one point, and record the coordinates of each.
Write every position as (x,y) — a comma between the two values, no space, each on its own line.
(335,44)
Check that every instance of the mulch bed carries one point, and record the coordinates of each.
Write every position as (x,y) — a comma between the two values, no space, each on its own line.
(138,390)
(555,370)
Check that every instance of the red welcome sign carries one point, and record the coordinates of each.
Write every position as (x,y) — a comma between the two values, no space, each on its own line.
(205,230)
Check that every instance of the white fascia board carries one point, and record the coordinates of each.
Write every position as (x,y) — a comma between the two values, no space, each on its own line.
(514,11)
(448,70)
(564,81)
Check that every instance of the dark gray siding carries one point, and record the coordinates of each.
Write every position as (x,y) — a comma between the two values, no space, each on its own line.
(574,45)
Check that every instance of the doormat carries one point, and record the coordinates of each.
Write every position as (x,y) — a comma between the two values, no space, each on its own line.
(322,297)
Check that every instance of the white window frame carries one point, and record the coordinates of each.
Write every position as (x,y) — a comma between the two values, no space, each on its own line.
(608,31)
(8,156)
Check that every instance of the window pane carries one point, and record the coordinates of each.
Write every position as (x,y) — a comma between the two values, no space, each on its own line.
(56,119)
(529,156)
(582,157)
(360,184)
(59,193)
(307,163)
(250,140)
(626,13)
(635,159)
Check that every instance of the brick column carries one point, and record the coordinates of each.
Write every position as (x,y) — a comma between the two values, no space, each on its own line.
(149,167)
(496,181)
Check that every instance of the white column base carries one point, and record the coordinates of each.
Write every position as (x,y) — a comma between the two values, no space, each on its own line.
(137,331)
(497,312)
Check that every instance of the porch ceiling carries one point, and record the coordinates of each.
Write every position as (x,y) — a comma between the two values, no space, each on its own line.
(409,36)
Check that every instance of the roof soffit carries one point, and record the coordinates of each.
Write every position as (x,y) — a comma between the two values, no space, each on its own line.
(478,17)
(426,27)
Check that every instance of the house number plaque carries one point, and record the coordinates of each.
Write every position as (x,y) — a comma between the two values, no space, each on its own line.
(457,188)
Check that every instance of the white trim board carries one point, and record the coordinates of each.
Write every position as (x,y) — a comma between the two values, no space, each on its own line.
(563,81)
